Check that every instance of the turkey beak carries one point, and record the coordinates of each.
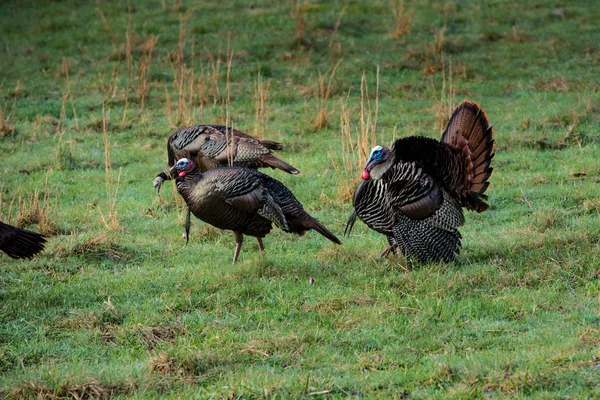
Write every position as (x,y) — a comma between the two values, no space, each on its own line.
(370,164)
(173,172)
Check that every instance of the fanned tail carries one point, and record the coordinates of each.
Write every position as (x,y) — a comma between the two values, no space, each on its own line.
(469,130)
(20,243)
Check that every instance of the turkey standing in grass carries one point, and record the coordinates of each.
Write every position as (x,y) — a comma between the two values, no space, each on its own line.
(414,192)
(243,200)
(20,243)
(209,146)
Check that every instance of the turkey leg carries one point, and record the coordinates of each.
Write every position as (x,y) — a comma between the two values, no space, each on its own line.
(260,246)
(239,238)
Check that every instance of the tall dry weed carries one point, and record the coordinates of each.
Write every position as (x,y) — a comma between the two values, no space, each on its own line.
(357,139)
(323,91)
(402,21)
(143,87)
(445,103)
(260,105)
(299,17)
(110,220)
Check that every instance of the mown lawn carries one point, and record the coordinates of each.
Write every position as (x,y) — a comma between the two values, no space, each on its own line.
(118,306)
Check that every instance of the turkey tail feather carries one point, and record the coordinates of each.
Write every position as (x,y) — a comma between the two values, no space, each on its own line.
(317,226)
(20,243)
(350,223)
(469,130)
(274,162)
(269,144)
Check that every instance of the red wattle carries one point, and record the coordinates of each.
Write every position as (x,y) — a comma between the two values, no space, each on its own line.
(182,174)
(365,174)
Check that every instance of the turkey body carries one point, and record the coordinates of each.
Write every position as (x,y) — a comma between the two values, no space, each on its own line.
(244,201)
(20,243)
(414,192)
(210,147)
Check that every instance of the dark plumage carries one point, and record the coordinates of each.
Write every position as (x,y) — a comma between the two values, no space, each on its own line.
(414,192)
(20,243)
(244,201)
(208,146)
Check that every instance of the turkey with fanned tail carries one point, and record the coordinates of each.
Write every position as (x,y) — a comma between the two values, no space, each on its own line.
(244,201)
(414,192)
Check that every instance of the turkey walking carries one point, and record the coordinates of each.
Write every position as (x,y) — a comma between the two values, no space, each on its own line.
(20,243)
(414,192)
(243,200)
(208,146)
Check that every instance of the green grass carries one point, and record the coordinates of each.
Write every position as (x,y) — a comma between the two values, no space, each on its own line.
(133,312)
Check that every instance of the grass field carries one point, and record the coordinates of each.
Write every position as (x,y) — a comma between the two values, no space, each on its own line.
(118,306)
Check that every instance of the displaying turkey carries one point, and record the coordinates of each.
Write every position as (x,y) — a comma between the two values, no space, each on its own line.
(208,146)
(414,192)
(20,243)
(243,200)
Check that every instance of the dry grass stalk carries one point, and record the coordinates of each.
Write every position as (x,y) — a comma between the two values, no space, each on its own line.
(189,91)
(33,211)
(64,157)
(110,91)
(402,22)
(65,71)
(433,52)
(445,106)
(181,68)
(7,126)
(260,102)
(107,28)
(110,220)
(142,88)
(214,78)
(299,16)
(335,46)
(356,147)
(323,91)
(88,390)
(229,132)
(129,44)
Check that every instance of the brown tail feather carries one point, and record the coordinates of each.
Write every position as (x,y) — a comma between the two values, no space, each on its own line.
(316,225)
(271,161)
(469,129)
(269,144)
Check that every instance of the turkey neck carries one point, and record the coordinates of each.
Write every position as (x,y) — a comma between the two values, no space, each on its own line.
(187,184)
(380,169)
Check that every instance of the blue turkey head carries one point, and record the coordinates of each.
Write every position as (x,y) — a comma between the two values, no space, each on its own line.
(378,155)
(183,166)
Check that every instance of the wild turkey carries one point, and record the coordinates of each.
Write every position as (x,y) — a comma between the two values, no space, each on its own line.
(414,192)
(20,243)
(243,200)
(208,146)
